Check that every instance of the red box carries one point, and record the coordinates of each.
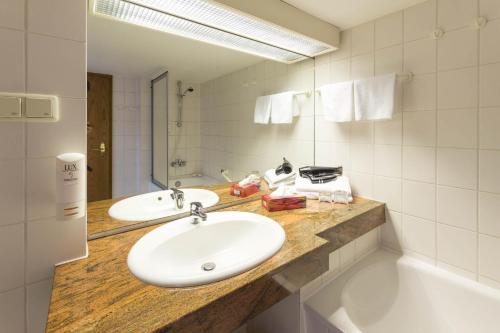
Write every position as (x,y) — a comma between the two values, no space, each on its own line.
(244,191)
(283,203)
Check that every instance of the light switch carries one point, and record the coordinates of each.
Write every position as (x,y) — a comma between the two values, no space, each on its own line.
(10,107)
(38,108)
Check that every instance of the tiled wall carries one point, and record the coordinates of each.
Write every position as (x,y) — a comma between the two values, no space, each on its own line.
(230,139)
(43,51)
(436,164)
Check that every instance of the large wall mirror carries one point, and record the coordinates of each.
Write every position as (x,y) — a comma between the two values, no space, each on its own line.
(184,117)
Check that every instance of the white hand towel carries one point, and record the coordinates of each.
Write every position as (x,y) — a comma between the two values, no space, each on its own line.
(341,184)
(337,101)
(262,110)
(282,108)
(374,98)
(274,178)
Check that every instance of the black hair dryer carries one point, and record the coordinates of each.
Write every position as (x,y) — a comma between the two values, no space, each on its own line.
(285,168)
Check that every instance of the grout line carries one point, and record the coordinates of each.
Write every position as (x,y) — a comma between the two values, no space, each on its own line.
(478,61)
(436,119)
(25,127)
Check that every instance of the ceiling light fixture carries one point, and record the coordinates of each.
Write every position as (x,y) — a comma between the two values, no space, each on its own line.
(219,24)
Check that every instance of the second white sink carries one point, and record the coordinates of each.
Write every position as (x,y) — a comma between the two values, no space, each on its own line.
(180,253)
(156,205)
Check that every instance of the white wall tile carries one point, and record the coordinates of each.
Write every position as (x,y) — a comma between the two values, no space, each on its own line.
(12,60)
(489,8)
(391,230)
(12,191)
(38,299)
(489,128)
(362,157)
(362,39)
(489,91)
(389,30)
(389,60)
(347,255)
(362,132)
(420,56)
(41,188)
(58,18)
(389,132)
(457,89)
(419,163)
(366,243)
(12,144)
(56,66)
(454,14)
(457,128)
(12,14)
(457,247)
(362,66)
(11,257)
(457,49)
(419,235)
(65,242)
(489,249)
(419,20)
(12,311)
(361,184)
(489,213)
(456,270)
(457,207)
(387,160)
(457,167)
(489,164)
(388,190)
(420,93)
(65,135)
(419,128)
(489,49)
(419,199)
(340,70)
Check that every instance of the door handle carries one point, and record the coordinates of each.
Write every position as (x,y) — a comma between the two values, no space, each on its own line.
(102,148)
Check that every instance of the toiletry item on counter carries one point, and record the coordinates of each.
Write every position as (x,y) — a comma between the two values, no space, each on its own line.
(70,188)
(274,181)
(286,167)
(246,187)
(375,98)
(337,101)
(284,198)
(319,175)
(339,187)
(262,111)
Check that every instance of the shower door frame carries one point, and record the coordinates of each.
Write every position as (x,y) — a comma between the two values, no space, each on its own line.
(164,75)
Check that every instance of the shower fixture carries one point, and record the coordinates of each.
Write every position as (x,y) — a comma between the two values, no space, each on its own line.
(180,97)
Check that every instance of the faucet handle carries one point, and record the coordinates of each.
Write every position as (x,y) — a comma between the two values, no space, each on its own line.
(196,206)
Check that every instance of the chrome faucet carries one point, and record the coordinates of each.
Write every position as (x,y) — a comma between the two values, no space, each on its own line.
(178,196)
(198,212)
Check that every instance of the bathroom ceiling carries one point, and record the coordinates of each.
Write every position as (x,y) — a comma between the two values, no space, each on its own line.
(349,13)
(117,47)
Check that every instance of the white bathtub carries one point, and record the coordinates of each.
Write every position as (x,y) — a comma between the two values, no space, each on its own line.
(387,293)
(192,180)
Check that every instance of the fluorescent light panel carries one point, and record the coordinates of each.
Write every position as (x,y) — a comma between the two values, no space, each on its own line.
(210,22)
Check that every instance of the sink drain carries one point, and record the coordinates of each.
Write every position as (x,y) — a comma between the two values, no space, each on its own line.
(208,266)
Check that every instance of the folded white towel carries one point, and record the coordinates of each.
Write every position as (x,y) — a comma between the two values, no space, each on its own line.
(262,110)
(282,108)
(274,178)
(337,101)
(339,185)
(374,98)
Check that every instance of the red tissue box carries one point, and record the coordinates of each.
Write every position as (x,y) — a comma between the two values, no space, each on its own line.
(245,190)
(283,203)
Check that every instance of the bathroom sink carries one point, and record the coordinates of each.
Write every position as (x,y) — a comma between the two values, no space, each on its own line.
(182,254)
(156,205)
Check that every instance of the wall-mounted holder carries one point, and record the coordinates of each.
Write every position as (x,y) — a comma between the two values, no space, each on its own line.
(28,107)
(437,33)
(480,22)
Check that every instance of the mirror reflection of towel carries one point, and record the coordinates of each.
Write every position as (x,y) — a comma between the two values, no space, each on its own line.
(282,108)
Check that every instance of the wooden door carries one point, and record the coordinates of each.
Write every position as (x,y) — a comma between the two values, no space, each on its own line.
(99,133)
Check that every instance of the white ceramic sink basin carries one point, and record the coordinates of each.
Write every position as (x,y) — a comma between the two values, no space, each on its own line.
(156,205)
(181,254)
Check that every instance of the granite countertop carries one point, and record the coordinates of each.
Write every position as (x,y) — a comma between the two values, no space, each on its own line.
(100,224)
(99,294)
